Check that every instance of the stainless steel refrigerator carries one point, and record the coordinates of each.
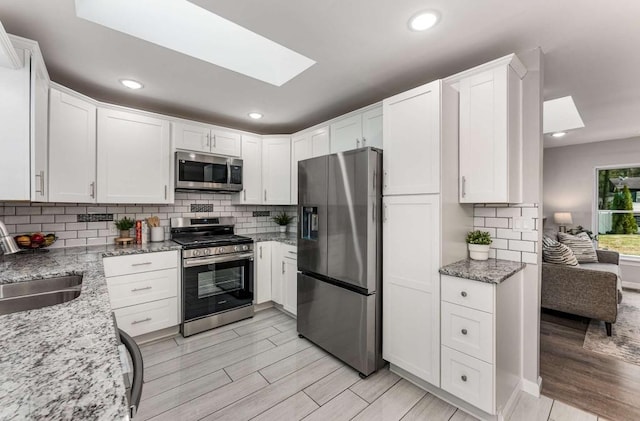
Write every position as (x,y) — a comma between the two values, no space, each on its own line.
(340,256)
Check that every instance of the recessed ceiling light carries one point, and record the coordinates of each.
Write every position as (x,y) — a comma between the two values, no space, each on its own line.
(559,134)
(131,84)
(423,20)
(255,116)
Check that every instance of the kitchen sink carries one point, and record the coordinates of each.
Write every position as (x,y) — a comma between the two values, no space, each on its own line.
(22,296)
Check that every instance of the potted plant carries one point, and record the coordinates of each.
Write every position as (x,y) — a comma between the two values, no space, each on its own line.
(479,242)
(283,220)
(124,225)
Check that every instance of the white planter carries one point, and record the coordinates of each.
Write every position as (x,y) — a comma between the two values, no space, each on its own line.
(283,229)
(479,251)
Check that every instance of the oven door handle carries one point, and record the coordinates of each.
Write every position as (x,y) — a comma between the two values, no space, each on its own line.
(202,261)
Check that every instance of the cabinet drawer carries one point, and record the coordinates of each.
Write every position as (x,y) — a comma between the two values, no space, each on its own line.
(468,378)
(144,318)
(289,251)
(468,293)
(137,263)
(128,290)
(467,330)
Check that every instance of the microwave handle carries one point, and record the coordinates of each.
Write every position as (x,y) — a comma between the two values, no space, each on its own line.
(228,172)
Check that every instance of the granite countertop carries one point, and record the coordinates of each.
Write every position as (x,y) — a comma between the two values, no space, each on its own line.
(491,271)
(288,238)
(62,362)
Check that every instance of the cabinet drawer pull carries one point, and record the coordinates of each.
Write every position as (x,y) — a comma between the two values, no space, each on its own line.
(265,195)
(41,176)
(364,140)
(293,252)
(245,195)
(165,192)
(464,186)
(141,289)
(463,293)
(141,264)
(261,252)
(282,267)
(135,322)
(463,378)
(93,189)
(464,331)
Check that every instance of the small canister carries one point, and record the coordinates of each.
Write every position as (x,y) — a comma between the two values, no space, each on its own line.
(138,232)
(157,234)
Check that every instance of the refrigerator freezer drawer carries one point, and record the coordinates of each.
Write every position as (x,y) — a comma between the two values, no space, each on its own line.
(341,321)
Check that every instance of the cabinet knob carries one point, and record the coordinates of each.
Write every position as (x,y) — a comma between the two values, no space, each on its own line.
(463,378)
(463,293)
(464,331)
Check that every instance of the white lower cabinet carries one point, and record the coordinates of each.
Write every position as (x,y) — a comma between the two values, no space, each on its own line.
(144,290)
(481,348)
(263,272)
(277,269)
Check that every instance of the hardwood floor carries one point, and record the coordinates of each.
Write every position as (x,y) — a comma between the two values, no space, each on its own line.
(259,369)
(587,380)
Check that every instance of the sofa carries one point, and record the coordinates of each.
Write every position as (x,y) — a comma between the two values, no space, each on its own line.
(591,290)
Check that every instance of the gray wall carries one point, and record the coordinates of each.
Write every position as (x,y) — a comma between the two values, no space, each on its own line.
(570,178)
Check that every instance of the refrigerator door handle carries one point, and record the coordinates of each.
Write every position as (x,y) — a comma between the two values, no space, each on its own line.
(373,211)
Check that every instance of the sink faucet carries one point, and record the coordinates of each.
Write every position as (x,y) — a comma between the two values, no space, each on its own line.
(7,243)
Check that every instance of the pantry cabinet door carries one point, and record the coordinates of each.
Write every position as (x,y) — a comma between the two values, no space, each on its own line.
(72,132)
(134,159)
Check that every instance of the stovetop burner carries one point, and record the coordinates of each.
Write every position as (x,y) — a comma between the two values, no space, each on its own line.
(205,232)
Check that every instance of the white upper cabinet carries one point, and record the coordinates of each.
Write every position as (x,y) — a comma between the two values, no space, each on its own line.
(39,129)
(191,137)
(372,128)
(24,105)
(225,142)
(251,171)
(276,170)
(72,132)
(411,128)
(490,131)
(305,145)
(134,158)
(357,131)
(203,138)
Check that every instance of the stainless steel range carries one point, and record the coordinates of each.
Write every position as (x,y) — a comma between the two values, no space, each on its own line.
(217,273)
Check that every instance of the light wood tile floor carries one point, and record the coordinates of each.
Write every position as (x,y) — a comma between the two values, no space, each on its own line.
(258,369)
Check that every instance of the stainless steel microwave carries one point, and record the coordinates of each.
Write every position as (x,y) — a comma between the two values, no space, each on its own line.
(195,171)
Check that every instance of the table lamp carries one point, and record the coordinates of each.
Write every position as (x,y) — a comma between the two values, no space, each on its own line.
(562,219)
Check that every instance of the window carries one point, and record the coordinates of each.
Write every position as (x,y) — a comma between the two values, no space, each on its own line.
(618,213)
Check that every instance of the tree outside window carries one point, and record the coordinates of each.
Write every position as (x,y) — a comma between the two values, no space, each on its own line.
(619,210)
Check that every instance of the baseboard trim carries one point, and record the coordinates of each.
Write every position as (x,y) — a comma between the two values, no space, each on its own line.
(157,335)
(532,388)
(510,405)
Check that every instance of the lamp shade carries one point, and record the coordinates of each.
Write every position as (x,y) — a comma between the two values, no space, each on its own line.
(562,218)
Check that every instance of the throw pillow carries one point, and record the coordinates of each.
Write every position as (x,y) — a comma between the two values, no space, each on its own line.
(581,245)
(557,253)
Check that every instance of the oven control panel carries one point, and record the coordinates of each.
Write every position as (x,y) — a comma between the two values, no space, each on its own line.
(215,251)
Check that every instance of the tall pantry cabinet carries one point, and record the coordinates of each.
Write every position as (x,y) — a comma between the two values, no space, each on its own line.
(418,136)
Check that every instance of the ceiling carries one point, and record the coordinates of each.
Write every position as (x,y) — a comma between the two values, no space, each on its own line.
(364,53)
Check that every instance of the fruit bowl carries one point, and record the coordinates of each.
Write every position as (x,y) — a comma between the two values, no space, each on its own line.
(35,241)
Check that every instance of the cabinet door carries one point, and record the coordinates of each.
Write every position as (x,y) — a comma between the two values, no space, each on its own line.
(372,128)
(290,285)
(225,143)
(39,131)
(263,272)
(411,288)
(191,137)
(276,170)
(301,149)
(72,132)
(346,134)
(320,144)
(251,171)
(14,132)
(277,269)
(412,141)
(133,158)
(485,137)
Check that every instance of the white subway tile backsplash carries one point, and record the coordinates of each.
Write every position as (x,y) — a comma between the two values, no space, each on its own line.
(87,233)
(508,234)
(530,212)
(507,212)
(75,242)
(530,236)
(63,235)
(499,243)
(97,241)
(517,245)
(530,258)
(34,210)
(75,226)
(28,228)
(75,210)
(485,212)
(66,218)
(515,256)
(496,222)
(97,225)
(25,219)
(41,219)
(478,222)
(53,227)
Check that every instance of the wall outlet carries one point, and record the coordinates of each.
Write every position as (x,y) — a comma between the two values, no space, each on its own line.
(523,224)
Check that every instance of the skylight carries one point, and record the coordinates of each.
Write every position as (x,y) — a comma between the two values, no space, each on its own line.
(561,115)
(189,29)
